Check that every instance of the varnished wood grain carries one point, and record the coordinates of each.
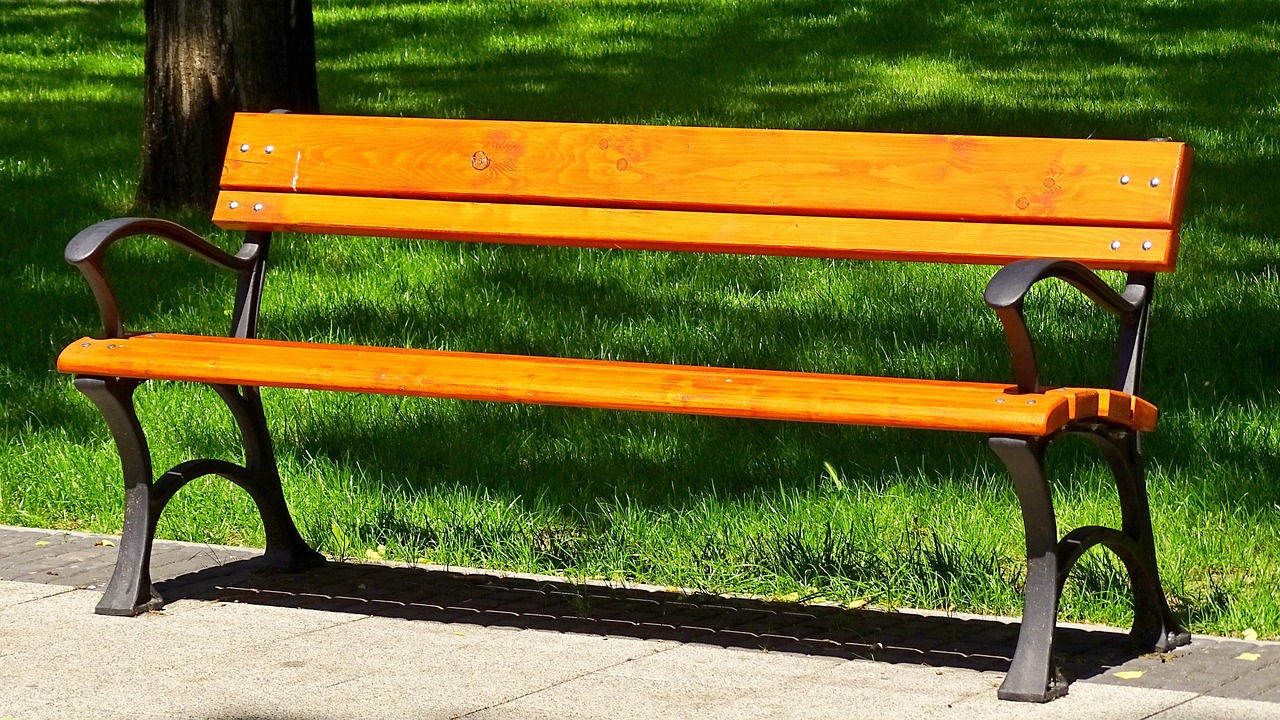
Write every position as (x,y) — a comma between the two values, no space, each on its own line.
(795,235)
(941,177)
(807,397)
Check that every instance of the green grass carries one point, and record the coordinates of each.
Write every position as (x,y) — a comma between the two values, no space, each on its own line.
(907,518)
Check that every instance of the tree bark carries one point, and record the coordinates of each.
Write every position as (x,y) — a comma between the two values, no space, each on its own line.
(205,60)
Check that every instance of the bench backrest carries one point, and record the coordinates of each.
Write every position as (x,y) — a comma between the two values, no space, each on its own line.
(942,198)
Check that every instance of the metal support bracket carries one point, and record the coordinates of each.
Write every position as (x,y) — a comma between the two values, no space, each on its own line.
(1033,675)
(130,591)
(1007,292)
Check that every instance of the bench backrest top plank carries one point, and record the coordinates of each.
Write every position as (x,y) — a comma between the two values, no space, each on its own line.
(787,172)
(1139,249)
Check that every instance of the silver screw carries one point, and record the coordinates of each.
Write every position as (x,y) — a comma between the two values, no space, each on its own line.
(1000,400)
(1124,179)
(234,204)
(1146,245)
(112,346)
(1031,402)
(257,207)
(270,149)
(86,344)
(1115,244)
(1155,182)
(244,147)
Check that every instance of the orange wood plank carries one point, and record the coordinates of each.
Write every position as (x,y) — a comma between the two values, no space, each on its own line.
(1127,409)
(795,235)
(807,397)
(939,177)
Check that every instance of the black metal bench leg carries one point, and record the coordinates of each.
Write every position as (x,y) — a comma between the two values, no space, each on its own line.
(1154,626)
(1033,676)
(286,549)
(129,592)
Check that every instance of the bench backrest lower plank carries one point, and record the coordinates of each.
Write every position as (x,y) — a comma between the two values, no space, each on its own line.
(1112,204)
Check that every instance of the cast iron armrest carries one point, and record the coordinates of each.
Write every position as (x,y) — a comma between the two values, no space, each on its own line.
(87,251)
(1009,287)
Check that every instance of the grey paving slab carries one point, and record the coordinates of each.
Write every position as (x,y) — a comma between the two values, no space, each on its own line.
(15,593)
(1096,702)
(713,666)
(13,705)
(605,696)
(1212,708)
(387,640)
(481,675)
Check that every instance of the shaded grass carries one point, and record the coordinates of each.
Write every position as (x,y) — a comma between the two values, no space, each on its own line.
(911,518)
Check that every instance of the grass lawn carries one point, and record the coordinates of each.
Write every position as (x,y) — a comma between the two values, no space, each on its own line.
(842,513)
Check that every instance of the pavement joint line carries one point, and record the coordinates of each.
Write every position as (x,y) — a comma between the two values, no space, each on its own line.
(343,623)
(1162,711)
(558,683)
(65,589)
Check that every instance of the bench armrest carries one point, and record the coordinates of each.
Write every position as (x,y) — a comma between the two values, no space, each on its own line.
(1008,289)
(87,251)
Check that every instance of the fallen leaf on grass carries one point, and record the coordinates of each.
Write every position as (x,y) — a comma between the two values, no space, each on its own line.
(104,543)
(1248,656)
(1129,674)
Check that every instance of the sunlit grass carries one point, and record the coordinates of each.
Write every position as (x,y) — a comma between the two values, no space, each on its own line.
(899,518)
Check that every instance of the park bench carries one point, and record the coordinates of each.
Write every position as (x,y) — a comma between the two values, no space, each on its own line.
(1039,208)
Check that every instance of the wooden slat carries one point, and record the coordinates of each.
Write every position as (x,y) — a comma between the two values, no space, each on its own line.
(794,235)
(938,177)
(974,407)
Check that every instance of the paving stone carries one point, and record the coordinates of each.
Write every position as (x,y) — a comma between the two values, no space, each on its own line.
(1214,708)
(1256,685)
(191,574)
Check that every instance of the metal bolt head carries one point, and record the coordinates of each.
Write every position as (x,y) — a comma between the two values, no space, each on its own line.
(233,204)
(244,147)
(1124,179)
(112,346)
(1115,244)
(257,207)
(1155,182)
(270,149)
(86,344)
(1000,400)
(1031,402)
(1146,244)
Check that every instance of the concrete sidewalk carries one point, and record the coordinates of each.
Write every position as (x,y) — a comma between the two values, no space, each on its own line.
(386,641)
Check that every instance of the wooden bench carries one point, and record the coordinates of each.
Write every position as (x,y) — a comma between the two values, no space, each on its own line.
(1040,208)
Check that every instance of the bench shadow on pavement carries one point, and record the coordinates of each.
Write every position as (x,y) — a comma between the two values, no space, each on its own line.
(415,594)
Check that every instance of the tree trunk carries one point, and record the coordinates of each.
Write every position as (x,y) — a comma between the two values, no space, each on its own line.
(205,60)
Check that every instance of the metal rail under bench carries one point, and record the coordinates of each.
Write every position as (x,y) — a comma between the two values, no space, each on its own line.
(1039,208)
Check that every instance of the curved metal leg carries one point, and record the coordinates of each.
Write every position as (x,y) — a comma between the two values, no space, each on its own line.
(1154,626)
(129,592)
(285,547)
(1033,676)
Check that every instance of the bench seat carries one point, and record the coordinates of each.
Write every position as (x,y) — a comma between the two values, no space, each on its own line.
(695,390)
